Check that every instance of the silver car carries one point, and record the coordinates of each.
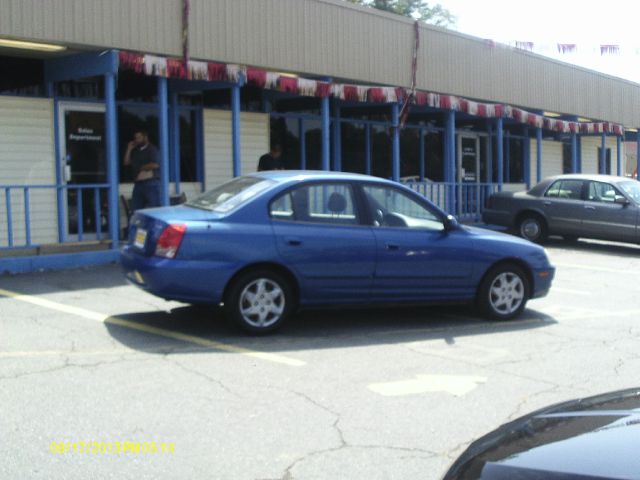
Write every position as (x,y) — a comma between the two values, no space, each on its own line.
(575,205)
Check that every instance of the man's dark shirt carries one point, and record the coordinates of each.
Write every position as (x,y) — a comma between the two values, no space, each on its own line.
(141,156)
(269,162)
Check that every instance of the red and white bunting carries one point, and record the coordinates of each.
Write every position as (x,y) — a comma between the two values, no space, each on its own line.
(156,66)
(307,87)
(220,72)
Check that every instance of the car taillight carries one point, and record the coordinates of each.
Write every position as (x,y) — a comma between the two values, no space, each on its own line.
(170,240)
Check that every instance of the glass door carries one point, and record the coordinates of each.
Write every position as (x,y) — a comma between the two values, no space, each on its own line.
(84,169)
(468,174)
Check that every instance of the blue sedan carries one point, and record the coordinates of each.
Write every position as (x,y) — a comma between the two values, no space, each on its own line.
(266,244)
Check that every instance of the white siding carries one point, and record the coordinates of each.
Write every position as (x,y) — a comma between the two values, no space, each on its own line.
(590,159)
(551,159)
(254,142)
(27,157)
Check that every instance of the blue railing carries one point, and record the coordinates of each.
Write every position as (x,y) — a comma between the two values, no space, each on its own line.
(464,200)
(78,198)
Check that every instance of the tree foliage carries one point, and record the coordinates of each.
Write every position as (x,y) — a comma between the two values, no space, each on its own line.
(435,14)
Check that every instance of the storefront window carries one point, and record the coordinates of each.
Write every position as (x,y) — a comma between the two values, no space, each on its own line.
(132,118)
(381,151)
(434,156)
(353,147)
(410,153)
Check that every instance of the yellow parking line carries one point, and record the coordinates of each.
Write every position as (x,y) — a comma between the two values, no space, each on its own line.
(100,317)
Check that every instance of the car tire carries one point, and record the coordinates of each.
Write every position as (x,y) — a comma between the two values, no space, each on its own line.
(533,228)
(503,293)
(260,301)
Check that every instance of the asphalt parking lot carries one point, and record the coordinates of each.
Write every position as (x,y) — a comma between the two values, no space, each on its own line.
(100,380)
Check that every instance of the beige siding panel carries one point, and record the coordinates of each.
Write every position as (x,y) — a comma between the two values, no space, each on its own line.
(590,158)
(328,38)
(146,25)
(254,141)
(551,159)
(27,157)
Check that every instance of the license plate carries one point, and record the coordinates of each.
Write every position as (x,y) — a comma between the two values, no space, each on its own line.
(141,236)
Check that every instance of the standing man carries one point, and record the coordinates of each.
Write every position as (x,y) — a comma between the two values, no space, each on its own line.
(142,156)
(272,160)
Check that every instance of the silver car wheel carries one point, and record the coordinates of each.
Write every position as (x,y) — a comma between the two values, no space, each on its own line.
(506,293)
(530,228)
(262,303)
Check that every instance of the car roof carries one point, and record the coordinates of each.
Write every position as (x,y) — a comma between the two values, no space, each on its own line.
(589,176)
(285,176)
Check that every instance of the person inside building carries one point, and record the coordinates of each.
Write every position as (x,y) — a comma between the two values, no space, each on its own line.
(142,156)
(272,160)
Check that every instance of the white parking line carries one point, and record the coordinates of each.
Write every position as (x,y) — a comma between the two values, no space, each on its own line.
(103,318)
(570,291)
(595,269)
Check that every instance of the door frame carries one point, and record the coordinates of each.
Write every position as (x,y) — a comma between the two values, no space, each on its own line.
(63,107)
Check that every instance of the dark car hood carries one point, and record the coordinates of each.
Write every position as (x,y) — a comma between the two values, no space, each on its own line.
(494,235)
(592,438)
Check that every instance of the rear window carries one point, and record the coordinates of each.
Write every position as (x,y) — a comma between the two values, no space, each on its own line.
(232,194)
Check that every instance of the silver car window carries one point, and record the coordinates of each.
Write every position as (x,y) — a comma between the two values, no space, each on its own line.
(632,189)
(602,192)
(393,208)
(567,189)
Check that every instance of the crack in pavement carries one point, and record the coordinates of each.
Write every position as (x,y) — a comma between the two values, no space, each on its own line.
(200,374)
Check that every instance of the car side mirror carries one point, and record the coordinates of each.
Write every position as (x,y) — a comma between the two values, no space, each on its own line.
(620,200)
(450,223)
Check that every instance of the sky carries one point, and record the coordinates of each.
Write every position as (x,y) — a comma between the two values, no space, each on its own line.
(546,23)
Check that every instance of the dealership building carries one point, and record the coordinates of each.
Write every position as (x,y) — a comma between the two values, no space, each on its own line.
(216,82)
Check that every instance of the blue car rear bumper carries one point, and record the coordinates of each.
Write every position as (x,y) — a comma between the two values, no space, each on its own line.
(174,279)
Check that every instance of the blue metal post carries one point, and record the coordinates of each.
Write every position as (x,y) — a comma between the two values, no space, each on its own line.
(367,148)
(303,145)
(27,216)
(235,129)
(60,196)
(500,146)
(579,149)
(163,121)
(527,158)
(489,178)
(449,159)
(638,156)
(422,161)
(538,154)
(175,141)
(111,134)
(326,124)
(574,153)
(618,155)
(603,154)
(507,157)
(337,138)
(199,148)
(97,210)
(7,201)
(395,155)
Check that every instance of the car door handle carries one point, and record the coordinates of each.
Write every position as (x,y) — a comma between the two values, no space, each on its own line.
(391,246)
(293,241)
(589,207)
(547,203)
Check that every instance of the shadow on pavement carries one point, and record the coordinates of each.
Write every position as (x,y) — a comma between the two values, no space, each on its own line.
(318,329)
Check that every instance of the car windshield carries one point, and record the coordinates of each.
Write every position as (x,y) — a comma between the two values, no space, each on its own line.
(232,194)
(632,189)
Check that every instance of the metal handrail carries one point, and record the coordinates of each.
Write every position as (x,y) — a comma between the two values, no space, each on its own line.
(96,187)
